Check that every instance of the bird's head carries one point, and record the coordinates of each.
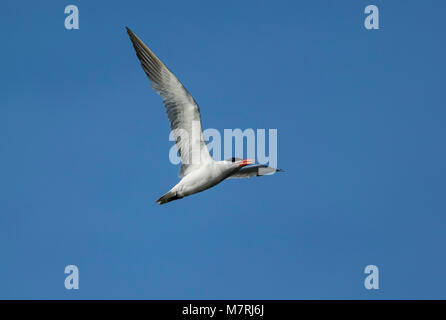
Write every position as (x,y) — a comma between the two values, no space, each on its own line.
(239,163)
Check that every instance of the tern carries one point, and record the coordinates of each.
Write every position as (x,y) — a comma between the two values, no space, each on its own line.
(182,111)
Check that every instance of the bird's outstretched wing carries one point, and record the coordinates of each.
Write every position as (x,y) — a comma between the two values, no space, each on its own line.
(182,110)
(254,170)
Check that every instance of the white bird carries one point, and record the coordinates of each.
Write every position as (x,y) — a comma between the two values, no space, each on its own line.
(182,111)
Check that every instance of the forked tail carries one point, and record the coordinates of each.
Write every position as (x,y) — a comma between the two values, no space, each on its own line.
(169,196)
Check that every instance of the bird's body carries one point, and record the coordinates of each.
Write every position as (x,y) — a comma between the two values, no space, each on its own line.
(198,171)
(203,178)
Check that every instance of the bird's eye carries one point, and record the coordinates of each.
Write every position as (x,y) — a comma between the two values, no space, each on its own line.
(233,159)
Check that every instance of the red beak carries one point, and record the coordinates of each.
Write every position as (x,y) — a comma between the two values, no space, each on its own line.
(246,162)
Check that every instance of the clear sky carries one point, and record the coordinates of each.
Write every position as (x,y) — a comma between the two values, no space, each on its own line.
(84,149)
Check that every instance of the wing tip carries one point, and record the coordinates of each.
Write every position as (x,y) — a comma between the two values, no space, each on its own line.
(130,33)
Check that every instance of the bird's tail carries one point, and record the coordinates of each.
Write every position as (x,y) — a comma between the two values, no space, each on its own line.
(169,196)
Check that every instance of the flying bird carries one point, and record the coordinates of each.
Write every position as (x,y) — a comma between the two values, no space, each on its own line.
(183,111)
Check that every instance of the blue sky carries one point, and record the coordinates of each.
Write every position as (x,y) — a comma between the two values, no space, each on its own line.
(84,151)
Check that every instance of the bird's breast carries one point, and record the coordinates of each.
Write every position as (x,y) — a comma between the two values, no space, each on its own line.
(201,179)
